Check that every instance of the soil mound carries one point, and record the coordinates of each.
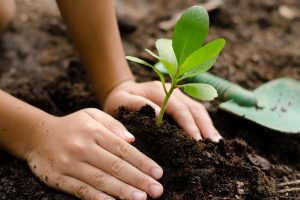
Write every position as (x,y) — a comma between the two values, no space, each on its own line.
(200,170)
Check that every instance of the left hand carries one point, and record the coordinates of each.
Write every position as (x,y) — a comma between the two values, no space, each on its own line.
(188,113)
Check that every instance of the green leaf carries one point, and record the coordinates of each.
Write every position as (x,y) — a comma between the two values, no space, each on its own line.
(161,67)
(198,70)
(169,66)
(200,91)
(140,61)
(203,55)
(165,50)
(190,32)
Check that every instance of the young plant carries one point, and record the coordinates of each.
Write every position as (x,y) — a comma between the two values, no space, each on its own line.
(185,56)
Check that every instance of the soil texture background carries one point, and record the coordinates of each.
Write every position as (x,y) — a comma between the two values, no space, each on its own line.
(38,64)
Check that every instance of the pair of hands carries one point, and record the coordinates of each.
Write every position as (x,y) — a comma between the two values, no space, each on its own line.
(88,153)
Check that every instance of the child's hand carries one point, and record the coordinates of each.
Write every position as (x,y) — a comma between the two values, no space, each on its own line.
(189,114)
(83,154)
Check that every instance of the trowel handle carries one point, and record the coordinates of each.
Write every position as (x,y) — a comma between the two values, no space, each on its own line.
(227,90)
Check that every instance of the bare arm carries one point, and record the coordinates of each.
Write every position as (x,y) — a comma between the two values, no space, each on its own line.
(81,153)
(86,140)
(92,25)
(86,153)
(18,122)
(7,12)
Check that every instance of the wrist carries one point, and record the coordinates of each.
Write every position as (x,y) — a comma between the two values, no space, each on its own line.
(42,127)
(113,87)
(19,125)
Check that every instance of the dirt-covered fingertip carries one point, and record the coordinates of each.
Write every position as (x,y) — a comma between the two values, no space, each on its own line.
(217,137)
(197,137)
(157,111)
(195,134)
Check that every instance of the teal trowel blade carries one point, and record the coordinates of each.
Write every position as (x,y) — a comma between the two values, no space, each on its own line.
(278,106)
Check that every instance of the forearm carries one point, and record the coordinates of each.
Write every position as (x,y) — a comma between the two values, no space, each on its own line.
(18,124)
(7,12)
(92,25)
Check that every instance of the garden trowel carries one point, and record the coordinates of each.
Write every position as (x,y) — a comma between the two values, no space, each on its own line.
(275,104)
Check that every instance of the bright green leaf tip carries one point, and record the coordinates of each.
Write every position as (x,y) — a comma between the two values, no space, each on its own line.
(186,56)
(190,32)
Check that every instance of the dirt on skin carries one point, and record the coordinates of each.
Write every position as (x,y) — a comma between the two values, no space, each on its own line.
(39,66)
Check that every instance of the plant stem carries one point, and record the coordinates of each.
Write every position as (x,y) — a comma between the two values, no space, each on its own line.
(164,105)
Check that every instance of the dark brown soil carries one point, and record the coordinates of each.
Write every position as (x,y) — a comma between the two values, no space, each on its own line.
(203,170)
(38,65)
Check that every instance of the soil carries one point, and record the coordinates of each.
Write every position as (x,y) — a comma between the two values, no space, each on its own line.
(230,169)
(39,65)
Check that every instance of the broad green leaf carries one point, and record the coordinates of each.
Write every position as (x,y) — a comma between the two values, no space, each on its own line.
(190,32)
(200,91)
(140,61)
(165,50)
(199,69)
(169,66)
(161,67)
(206,53)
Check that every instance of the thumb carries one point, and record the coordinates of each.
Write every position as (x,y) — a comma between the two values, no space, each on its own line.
(135,102)
(110,123)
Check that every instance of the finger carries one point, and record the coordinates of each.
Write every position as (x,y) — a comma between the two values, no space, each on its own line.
(107,183)
(79,189)
(178,110)
(129,153)
(184,118)
(130,101)
(110,123)
(135,102)
(201,118)
(124,171)
(205,124)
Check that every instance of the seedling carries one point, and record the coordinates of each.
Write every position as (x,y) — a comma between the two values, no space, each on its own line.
(185,56)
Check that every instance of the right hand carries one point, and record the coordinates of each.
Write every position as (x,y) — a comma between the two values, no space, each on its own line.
(86,154)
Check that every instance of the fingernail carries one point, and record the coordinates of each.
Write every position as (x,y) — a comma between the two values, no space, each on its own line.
(195,133)
(156,190)
(139,195)
(157,111)
(157,172)
(198,137)
(128,135)
(216,137)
